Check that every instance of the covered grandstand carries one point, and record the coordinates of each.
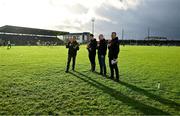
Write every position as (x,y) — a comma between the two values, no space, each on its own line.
(29,36)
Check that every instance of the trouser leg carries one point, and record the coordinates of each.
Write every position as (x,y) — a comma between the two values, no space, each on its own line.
(117,72)
(90,59)
(111,68)
(74,62)
(93,62)
(100,64)
(68,63)
(104,65)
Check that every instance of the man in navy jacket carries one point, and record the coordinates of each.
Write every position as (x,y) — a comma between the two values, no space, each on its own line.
(113,47)
(73,47)
(102,50)
(92,46)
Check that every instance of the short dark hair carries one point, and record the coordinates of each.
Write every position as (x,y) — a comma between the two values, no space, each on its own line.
(114,33)
(91,35)
(74,37)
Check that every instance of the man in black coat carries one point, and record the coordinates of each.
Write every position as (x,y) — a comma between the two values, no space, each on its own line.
(73,47)
(92,46)
(102,49)
(113,47)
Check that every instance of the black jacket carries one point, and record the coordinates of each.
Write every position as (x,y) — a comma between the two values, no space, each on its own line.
(102,48)
(92,46)
(73,48)
(113,48)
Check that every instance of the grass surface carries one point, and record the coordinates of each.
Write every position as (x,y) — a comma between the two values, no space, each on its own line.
(33,81)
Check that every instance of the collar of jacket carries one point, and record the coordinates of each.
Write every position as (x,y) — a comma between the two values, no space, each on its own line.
(115,39)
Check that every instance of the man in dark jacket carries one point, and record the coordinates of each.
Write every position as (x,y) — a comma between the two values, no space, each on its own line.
(73,47)
(113,47)
(102,49)
(92,46)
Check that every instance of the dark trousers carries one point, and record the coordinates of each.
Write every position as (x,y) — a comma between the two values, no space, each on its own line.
(8,46)
(69,61)
(114,67)
(92,58)
(102,64)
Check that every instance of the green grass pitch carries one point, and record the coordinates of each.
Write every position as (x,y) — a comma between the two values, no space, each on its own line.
(33,81)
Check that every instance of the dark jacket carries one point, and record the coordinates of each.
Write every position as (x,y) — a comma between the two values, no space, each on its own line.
(73,48)
(92,46)
(113,48)
(102,48)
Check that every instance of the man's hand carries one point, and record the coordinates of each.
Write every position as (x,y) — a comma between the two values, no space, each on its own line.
(76,46)
(109,43)
(88,47)
(114,61)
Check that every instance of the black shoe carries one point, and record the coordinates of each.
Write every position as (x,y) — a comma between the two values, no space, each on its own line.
(117,80)
(111,77)
(66,71)
(91,69)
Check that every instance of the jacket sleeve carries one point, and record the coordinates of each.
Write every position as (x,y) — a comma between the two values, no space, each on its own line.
(88,45)
(95,45)
(109,44)
(77,47)
(116,50)
(67,45)
(105,48)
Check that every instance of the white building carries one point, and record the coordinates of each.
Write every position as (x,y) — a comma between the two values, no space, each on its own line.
(81,37)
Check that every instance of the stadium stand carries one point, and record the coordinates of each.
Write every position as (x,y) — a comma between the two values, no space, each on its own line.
(29,36)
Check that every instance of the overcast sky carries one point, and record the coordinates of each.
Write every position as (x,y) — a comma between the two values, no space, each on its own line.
(134,16)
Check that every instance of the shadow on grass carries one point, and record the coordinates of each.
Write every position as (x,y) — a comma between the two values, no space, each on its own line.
(164,101)
(145,109)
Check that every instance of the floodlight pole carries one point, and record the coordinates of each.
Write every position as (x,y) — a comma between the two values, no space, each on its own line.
(148,33)
(93,21)
(123,37)
(122,34)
